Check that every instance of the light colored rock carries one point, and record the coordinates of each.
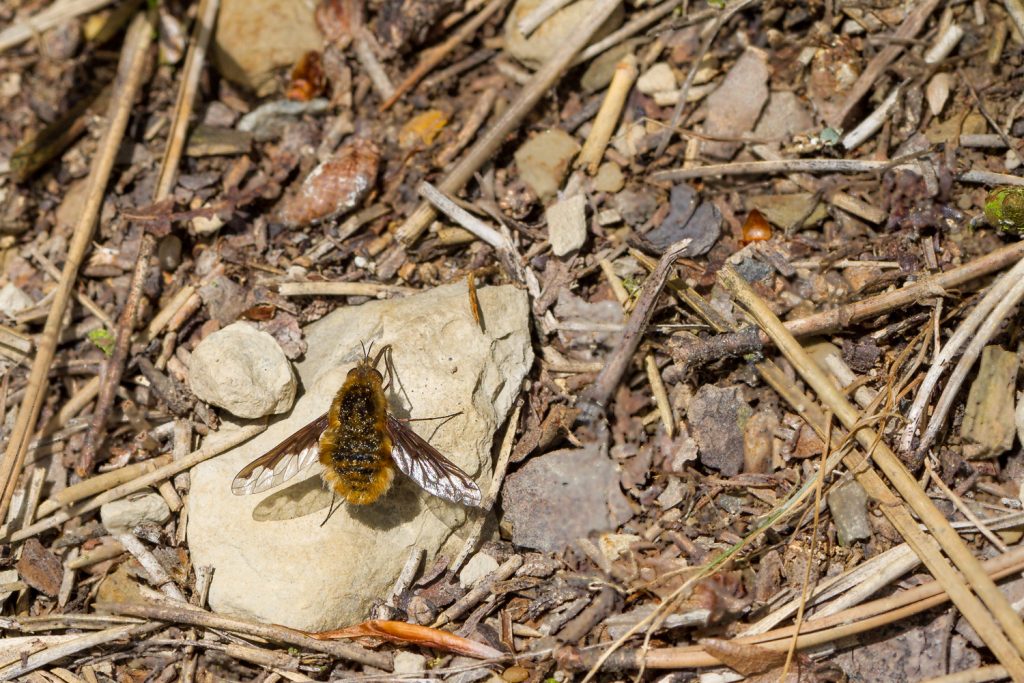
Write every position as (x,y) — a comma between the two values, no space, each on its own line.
(659,78)
(784,116)
(786,210)
(614,546)
(7,576)
(295,572)
(550,36)
(555,498)
(478,567)
(567,224)
(601,69)
(207,225)
(13,300)
(544,160)
(244,371)
(937,92)
(409,663)
(70,209)
(734,107)
(848,503)
(609,178)
(255,37)
(126,513)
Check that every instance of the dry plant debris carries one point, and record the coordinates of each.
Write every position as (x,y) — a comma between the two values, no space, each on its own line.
(768,253)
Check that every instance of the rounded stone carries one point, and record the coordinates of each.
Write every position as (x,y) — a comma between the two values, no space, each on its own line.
(244,371)
(126,513)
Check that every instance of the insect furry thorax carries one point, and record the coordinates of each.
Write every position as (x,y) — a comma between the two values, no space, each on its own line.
(359,444)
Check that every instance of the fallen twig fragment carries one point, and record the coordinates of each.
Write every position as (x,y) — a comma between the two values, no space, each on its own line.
(186,614)
(833,320)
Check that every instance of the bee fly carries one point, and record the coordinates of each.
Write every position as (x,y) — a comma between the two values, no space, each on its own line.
(359,443)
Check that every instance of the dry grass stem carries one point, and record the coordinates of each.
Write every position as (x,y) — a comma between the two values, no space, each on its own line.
(208,451)
(965,332)
(911,26)
(497,478)
(431,58)
(772,167)
(42,21)
(539,14)
(988,328)
(72,647)
(321,288)
(479,592)
(843,316)
(158,576)
(371,65)
(708,37)
(608,115)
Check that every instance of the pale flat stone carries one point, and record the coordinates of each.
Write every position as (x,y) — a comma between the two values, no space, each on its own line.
(477,567)
(555,498)
(988,426)
(614,546)
(659,78)
(244,371)
(293,571)
(567,224)
(848,503)
(409,663)
(734,107)
(544,159)
(13,300)
(123,515)
(609,178)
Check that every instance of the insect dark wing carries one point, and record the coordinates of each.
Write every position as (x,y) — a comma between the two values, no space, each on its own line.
(433,472)
(282,462)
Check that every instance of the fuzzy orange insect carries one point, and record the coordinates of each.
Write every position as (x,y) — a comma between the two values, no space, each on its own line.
(359,444)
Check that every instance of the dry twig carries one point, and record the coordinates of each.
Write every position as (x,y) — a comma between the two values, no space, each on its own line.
(187,614)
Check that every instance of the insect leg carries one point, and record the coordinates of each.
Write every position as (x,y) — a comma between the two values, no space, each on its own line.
(443,418)
(331,509)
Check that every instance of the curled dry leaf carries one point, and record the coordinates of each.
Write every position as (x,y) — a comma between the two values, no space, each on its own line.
(40,568)
(405,633)
(334,187)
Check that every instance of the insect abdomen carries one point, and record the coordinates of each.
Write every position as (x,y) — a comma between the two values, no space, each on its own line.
(355,449)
